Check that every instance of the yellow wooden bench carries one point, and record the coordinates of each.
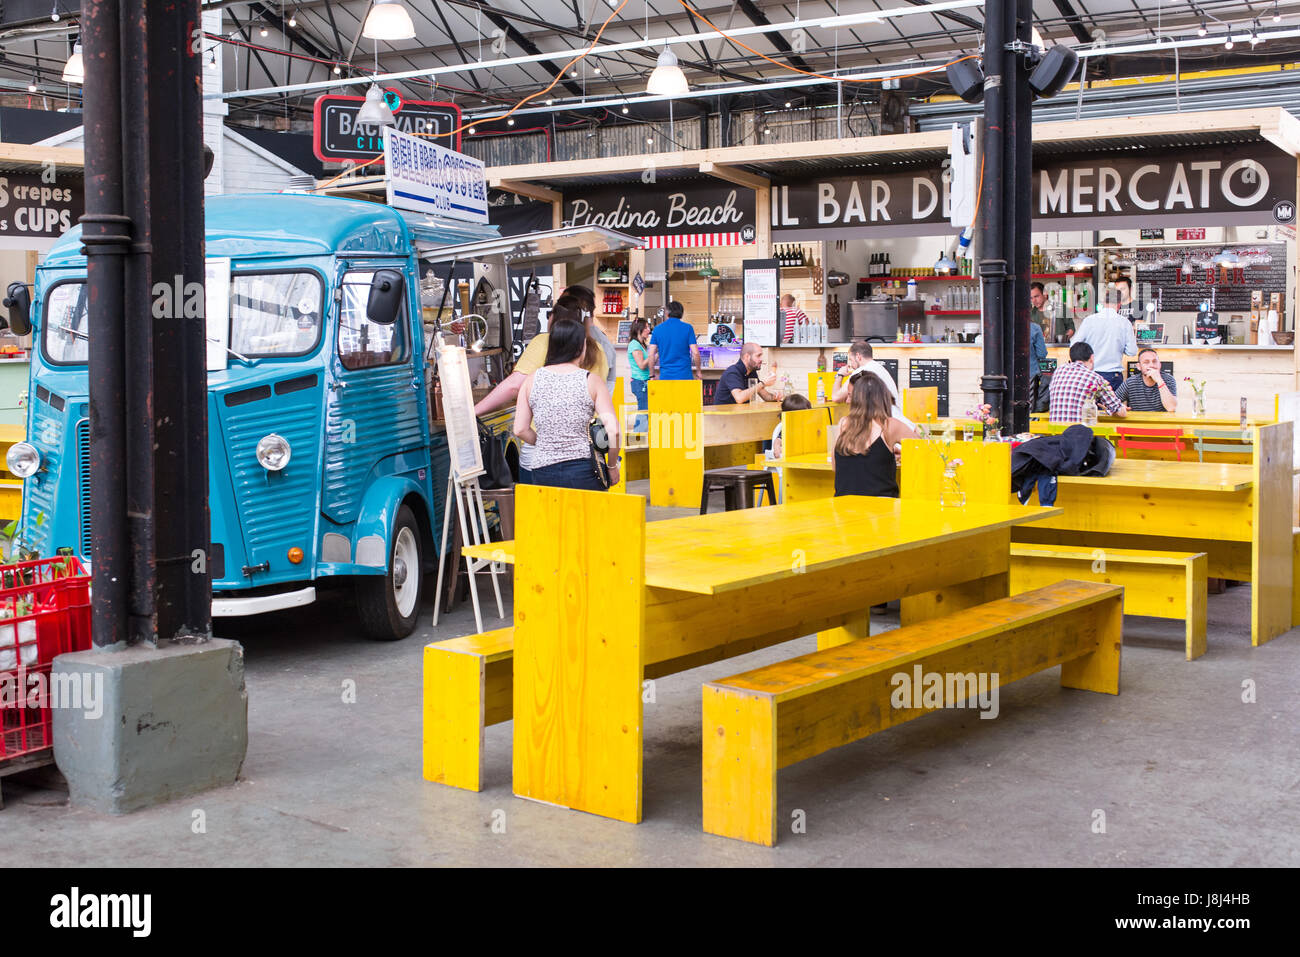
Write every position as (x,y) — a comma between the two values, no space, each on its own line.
(468,685)
(1159,584)
(770,718)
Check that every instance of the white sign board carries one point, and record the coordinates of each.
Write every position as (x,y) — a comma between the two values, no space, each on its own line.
(458,412)
(216,311)
(762,296)
(427,178)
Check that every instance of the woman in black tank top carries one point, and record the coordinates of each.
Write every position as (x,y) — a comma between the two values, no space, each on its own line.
(864,450)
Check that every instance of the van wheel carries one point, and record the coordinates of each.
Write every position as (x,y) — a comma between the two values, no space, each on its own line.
(389,604)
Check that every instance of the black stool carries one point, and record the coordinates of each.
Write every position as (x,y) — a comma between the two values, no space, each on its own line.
(738,486)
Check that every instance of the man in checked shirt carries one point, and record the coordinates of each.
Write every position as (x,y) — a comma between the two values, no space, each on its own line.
(1074,385)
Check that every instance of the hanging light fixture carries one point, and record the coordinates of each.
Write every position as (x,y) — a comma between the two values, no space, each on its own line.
(388,20)
(1203,29)
(32,87)
(1080,262)
(293,18)
(74,71)
(945,264)
(1277,14)
(375,111)
(1227,41)
(667,78)
(1255,38)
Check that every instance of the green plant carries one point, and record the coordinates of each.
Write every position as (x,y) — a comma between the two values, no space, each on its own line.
(14,547)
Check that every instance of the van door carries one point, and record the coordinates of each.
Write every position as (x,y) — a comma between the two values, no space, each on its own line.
(374,405)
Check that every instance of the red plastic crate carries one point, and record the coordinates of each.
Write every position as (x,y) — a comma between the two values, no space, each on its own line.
(44,612)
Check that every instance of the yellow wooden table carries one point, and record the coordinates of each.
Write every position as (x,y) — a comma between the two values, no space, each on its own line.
(806,477)
(1108,426)
(604,601)
(1240,515)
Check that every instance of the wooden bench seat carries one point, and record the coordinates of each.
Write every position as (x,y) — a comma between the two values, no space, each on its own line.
(763,720)
(468,685)
(1156,583)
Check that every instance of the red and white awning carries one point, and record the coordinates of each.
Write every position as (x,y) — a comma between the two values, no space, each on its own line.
(686,240)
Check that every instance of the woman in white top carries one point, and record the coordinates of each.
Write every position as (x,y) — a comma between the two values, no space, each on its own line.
(554,411)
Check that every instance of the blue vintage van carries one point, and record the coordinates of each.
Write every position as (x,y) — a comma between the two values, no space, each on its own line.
(324,461)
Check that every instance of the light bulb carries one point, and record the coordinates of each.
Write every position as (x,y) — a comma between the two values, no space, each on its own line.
(263,32)
(1277,14)
(649,141)
(788,104)
(1202,30)
(472,131)
(625,111)
(596,70)
(550,101)
(1227,44)
(573,73)
(293,19)
(31,87)
(766,130)
(510,121)
(337,69)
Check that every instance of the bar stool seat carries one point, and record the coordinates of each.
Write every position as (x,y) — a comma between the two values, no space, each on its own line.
(738,486)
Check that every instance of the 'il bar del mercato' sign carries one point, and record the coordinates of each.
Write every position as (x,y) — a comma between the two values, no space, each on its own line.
(338,136)
(1238,180)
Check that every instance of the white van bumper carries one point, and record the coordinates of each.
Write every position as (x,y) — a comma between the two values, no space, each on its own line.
(261,604)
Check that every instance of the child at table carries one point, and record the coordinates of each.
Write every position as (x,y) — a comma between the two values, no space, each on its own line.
(869,442)
(791,403)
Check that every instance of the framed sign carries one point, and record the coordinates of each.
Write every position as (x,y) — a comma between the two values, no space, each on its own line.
(762,284)
(336,134)
(427,178)
(458,411)
(1155,332)
(1156,234)
(930,372)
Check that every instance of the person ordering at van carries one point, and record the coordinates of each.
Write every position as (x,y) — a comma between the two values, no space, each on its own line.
(868,442)
(554,413)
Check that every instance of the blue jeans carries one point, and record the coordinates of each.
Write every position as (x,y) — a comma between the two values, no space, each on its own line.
(641,390)
(575,473)
(1116,379)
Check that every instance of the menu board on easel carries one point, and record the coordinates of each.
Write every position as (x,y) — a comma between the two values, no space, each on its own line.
(930,372)
(762,292)
(458,412)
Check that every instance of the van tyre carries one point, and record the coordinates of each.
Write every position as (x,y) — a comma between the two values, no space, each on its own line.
(389,604)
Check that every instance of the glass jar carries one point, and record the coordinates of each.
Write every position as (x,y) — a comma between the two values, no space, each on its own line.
(1198,406)
(951,494)
(1090,413)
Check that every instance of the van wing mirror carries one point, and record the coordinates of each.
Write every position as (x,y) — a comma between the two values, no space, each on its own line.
(386,287)
(18,300)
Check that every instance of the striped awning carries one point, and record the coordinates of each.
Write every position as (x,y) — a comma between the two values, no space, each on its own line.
(687,240)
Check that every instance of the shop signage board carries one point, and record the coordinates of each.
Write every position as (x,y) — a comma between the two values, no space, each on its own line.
(428,178)
(1254,183)
(1232,287)
(923,373)
(458,411)
(337,136)
(669,215)
(1157,234)
(30,205)
(762,297)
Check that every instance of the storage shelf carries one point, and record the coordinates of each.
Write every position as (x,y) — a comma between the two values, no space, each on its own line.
(952,312)
(1041,275)
(621,284)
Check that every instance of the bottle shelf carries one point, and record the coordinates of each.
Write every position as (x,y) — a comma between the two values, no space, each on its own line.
(956,278)
(952,312)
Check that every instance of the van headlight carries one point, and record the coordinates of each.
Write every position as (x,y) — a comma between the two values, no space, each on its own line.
(23,459)
(273,452)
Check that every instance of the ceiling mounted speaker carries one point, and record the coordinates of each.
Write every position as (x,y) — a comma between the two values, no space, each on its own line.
(967,80)
(1054,70)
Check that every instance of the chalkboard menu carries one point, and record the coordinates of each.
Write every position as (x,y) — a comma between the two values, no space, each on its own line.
(1185,293)
(930,372)
(892,366)
(625,330)
(1207,326)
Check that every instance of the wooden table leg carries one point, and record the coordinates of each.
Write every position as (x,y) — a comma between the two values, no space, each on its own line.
(857,625)
(1272,548)
(990,567)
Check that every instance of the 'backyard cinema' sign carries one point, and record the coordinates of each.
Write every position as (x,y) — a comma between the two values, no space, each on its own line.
(337,135)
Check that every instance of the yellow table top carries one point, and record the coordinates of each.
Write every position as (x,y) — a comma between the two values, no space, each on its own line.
(1149,420)
(760,408)
(812,461)
(727,551)
(1152,474)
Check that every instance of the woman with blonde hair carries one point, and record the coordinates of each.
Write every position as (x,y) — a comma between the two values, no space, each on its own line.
(868,441)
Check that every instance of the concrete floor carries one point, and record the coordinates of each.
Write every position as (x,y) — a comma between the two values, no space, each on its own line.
(1186,773)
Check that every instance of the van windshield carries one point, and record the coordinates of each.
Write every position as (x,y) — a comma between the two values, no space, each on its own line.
(271,314)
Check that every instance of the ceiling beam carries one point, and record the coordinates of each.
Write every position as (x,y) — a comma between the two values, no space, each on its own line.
(531,190)
(1073,21)
(531,48)
(954,17)
(732,175)
(759,19)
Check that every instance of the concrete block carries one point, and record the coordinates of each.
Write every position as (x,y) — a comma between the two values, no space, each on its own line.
(161,723)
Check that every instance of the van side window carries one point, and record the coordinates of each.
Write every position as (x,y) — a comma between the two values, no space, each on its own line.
(362,343)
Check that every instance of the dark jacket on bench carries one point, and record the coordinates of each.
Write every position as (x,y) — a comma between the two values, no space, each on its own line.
(1076,451)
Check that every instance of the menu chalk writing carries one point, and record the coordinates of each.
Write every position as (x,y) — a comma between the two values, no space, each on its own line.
(930,372)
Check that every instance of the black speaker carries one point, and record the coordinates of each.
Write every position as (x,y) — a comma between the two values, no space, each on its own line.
(1054,70)
(967,80)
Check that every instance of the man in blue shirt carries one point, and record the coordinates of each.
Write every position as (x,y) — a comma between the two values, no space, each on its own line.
(1037,353)
(1111,337)
(673,352)
(740,383)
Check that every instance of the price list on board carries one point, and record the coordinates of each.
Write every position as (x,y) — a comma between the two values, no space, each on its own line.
(923,373)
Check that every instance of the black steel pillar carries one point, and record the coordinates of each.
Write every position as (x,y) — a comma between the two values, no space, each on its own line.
(1005,213)
(143,231)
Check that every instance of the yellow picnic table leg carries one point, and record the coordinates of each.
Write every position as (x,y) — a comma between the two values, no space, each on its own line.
(1196,616)
(1272,547)
(676,437)
(453,719)
(857,625)
(989,561)
(579,623)
(1099,670)
(739,779)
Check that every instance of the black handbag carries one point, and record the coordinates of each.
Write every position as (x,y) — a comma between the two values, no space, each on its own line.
(496,470)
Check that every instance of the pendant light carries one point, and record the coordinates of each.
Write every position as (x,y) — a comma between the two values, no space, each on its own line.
(375,111)
(388,20)
(1081,262)
(667,78)
(74,71)
(945,264)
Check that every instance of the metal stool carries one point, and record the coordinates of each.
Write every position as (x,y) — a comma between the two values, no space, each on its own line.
(738,486)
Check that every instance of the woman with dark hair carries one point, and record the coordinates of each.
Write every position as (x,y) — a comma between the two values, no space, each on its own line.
(869,438)
(554,412)
(638,358)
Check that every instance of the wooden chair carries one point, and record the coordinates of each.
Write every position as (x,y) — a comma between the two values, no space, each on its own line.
(1153,440)
(1230,442)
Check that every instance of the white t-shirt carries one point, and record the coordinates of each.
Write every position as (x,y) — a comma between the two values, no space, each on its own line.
(880,372)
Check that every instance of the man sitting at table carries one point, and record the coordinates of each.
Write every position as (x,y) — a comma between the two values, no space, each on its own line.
(1152,389)
(1075,384)
(734,386)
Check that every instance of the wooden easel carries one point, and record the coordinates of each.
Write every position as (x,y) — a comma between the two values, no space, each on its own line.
(462,478)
